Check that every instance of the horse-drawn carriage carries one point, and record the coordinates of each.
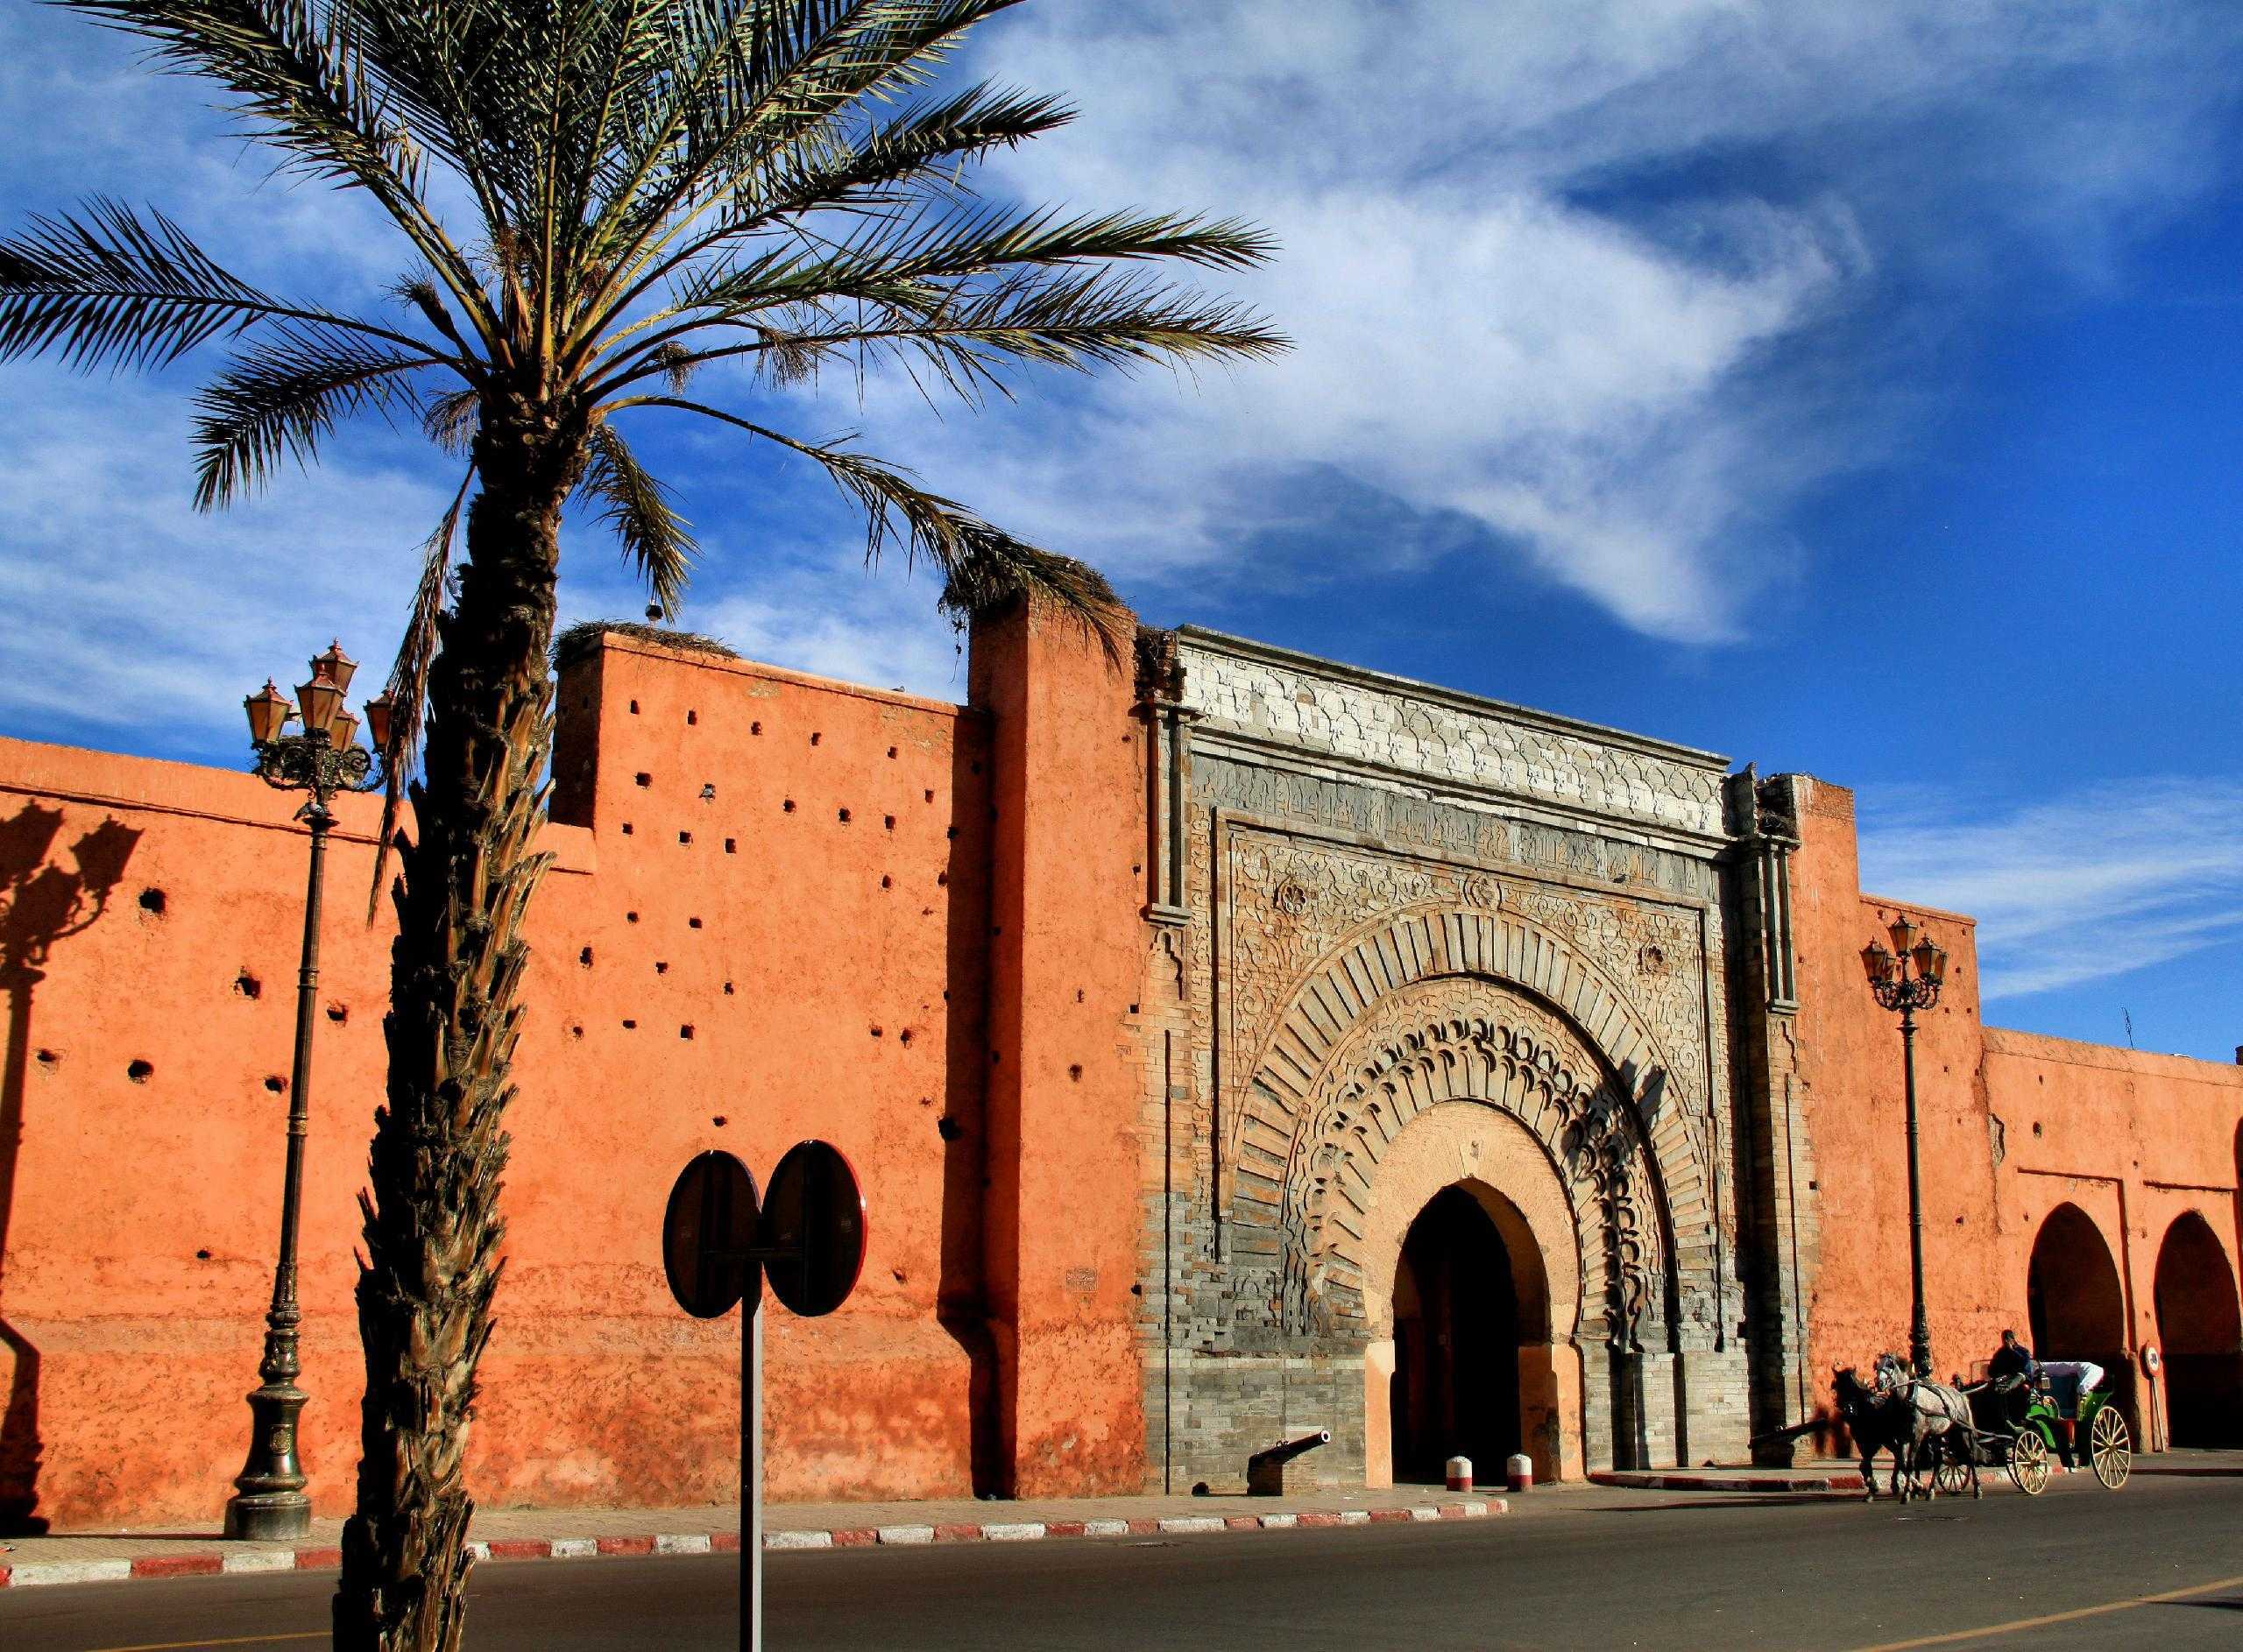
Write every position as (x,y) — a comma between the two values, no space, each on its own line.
(2007,1423)
(2014,1426)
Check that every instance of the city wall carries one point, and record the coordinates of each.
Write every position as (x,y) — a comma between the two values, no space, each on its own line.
(998,953)
(777,909)
(2022,1136)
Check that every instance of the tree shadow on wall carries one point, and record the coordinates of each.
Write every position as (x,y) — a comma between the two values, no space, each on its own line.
(45,903)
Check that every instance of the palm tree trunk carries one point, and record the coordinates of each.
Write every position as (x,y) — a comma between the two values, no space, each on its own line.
(431,1223)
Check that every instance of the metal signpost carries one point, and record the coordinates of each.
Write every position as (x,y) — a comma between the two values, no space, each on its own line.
(717,1245)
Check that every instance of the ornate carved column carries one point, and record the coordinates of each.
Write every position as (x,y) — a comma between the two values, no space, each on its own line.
(1168,761)
(1774,1174)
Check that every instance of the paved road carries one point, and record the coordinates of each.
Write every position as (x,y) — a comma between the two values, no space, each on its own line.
(1580,1570)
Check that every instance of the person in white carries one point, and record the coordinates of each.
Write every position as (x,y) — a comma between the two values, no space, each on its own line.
(2082,1375)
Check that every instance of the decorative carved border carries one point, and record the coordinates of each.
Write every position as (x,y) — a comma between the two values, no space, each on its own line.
(1455,930)
(1518,1059)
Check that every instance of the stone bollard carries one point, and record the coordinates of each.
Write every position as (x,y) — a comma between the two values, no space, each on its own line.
(1522,1471)
(1459,1473)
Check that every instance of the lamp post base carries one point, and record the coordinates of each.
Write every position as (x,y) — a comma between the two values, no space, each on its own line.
(268,1517)
(269,1504)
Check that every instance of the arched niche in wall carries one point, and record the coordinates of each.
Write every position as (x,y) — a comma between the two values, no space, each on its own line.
(2200,1330)
(2072,1293)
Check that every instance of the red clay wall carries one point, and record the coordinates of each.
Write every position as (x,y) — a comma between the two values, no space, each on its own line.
(2140,1144)
(2013,1126)
(829,968)
(1066,963)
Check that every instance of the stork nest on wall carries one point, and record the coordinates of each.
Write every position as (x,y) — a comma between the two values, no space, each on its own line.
(580,641)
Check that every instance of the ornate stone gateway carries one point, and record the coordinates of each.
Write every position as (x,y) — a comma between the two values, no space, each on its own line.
(1419,962)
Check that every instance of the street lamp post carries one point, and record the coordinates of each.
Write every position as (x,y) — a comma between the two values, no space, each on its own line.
(269,1503)
(1898,988)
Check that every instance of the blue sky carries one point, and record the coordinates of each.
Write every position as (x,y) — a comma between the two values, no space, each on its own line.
(1847,387)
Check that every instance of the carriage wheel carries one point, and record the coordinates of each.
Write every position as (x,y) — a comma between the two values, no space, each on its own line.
(2028,1463)
(1953,1476)
(2112,1447)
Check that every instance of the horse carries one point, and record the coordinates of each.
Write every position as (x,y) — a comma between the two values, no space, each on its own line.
(1878,1421)
(1936,1420)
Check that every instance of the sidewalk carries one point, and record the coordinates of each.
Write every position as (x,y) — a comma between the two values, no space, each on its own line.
(1829,1474)
(535,1534)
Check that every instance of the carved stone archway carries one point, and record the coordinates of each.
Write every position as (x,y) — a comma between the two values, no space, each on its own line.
(1460,1040)
(1604,1085)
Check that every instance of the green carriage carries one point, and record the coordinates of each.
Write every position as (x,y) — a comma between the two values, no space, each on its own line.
(2015,1426)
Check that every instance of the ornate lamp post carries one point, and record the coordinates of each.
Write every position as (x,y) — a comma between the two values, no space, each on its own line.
(1896,988)
(270,1504)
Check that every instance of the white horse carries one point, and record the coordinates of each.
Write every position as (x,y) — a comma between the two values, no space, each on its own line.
(1936,1419)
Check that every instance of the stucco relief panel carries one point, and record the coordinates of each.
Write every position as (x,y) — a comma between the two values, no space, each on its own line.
(1292,901)
(1477,746)
(1457,1040)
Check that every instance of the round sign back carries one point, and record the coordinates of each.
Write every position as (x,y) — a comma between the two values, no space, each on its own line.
(707,1229)
(816,1213)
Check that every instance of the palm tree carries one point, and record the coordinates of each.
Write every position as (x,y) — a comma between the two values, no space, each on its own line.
(597,199)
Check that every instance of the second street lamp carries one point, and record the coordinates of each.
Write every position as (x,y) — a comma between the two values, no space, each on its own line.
(269,1503)
(1896,988)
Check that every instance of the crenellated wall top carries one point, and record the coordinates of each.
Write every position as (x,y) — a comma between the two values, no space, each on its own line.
(1367,718)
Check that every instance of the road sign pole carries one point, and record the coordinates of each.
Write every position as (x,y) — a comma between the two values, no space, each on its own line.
(719,1244)
(750,1468)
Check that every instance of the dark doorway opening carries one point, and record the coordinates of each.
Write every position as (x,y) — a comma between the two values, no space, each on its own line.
(2199,1323)
(2074,1306)
(1455,1385)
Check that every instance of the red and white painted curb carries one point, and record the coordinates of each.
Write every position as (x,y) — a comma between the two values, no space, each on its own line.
(1639,1481)
(29,1574)
(1170,1525)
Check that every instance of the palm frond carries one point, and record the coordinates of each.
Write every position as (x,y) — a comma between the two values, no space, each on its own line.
(636,506)
(451,421)
(928,145)
(901,259)
(105,288)
(281,397)
(973,340)
(914,268)
(747,78)
(982,567)
(408,686)
(876,166)
(298,70)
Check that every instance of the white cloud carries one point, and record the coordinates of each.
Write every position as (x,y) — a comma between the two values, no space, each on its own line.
(2092,885)
(121,609)
(1616,282)
(838,619)
(1600,289)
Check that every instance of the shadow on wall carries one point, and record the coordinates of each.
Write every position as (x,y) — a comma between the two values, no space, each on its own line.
(45,904)
(961,1306)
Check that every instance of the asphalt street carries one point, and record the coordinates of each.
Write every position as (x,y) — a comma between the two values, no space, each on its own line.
(2073,1569)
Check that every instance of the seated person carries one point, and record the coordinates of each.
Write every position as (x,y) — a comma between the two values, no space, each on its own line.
(2066,1381)
(2013,1359)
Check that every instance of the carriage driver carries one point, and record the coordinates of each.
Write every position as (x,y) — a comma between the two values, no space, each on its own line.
(2013,1359)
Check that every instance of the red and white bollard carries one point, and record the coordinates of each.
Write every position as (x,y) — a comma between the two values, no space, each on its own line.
(1522,1471)
(1459,1473)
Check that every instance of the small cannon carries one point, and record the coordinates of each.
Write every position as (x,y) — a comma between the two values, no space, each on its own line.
(1266,1470)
